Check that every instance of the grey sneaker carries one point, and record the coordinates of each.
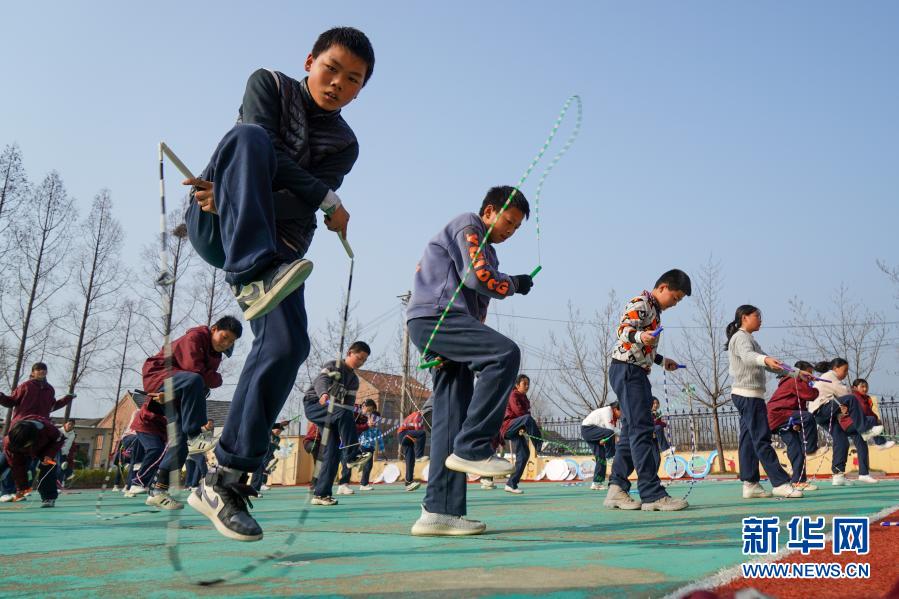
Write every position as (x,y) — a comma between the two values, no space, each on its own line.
(258,298)
(490,467)
(164,501)
(48,503)
(226,502)
(445,525)
(201,443)
(620,499)
(360,460)
(754,491)
(665,504)
(872,432)
(328,501)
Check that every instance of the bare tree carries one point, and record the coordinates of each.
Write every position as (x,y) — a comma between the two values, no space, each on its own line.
(893,273)
(847,329)
(42,241)
(180,259)
(581,360)
(707,375)
(126,313)
(100,278)
(212,293)
(13,187)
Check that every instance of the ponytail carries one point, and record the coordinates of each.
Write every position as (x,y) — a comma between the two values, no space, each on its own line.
(734,326)
(830,365)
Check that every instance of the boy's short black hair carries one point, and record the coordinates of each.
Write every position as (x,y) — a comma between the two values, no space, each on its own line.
(497,196)
(230,324)
(353,40)
(21,435)
(359,346)
(677,280)
(38,366)
(615,405)
(370,403)
(858,382)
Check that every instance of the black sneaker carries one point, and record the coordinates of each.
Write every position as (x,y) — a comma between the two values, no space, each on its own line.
(260,297)
(227,507)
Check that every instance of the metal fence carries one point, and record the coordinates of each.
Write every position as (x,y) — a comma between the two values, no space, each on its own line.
(683,424)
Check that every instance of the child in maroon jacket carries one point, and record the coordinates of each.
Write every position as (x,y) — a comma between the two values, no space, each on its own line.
(412,438)
(195,360)
(788,416)
(34,397)
(28,438)
(517,424)
(658,427)
(860,391)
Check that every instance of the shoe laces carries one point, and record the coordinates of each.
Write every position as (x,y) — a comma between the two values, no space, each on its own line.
(238,495)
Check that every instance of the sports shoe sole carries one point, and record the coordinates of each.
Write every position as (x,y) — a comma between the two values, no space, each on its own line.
(201,506)
(431,530)
(665,507)
(456,464)
(289,283)
(621,505)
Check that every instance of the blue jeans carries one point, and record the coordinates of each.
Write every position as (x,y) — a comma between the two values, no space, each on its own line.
(636,448)
(520,445)
(466,416)
(601,453)
(755,443)
(241,240)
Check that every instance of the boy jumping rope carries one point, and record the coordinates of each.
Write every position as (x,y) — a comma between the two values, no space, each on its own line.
(254,216)
(466,416)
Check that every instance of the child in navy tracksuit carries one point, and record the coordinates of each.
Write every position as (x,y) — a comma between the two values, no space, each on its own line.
(338,385)
(466,416)
(196,357)
(412,438)
(518,424)
(254,216)
(29,438)
(632,360)
(196,466)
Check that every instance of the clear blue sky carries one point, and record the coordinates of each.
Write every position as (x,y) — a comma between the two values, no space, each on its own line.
(766,133)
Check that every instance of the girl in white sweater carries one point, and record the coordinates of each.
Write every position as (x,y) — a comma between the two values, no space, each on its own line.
(748,364)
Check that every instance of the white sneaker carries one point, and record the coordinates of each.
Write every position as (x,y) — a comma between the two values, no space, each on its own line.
(491,466)
(840,480)
(115,488)
(755,491)
(366,488)
(872,432)
(345,490)
(164,500)
(423,458)
(264,488)
(413,485)
(7,498)
(445,525)
(514,490)
(867,478)
(598,487)
(886,445)
(487,484)
(620,499)
(787,491)
(806,487)
(135,490)
(201,443)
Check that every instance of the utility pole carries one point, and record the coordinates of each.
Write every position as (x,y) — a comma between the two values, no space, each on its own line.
(404,390)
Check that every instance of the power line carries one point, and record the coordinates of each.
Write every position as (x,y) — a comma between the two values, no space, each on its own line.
(767,326)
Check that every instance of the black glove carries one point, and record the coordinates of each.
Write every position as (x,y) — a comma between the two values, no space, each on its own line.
(523,283)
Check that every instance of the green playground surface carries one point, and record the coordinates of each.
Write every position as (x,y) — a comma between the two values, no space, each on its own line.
(555,541)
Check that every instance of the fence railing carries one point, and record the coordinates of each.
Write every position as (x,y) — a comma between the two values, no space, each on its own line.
(683,424)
